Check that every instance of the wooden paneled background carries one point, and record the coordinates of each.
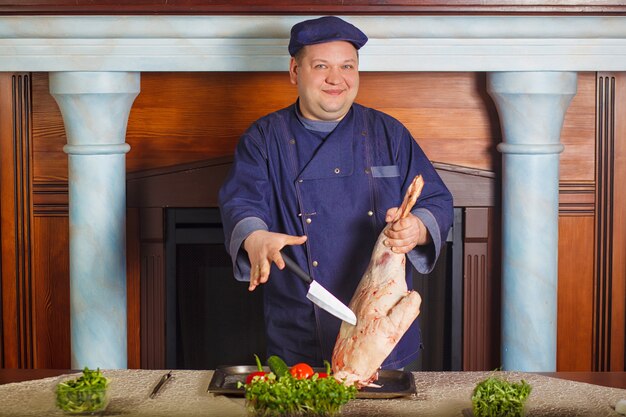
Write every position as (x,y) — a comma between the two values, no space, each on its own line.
(185,117)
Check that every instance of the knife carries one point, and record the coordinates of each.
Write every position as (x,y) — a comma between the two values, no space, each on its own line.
(319,295)
(160,384)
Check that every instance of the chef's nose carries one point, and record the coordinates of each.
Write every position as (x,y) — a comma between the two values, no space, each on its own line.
(334,76)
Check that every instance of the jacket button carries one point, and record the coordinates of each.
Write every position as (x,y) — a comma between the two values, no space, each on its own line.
(308,220)
(337,170)
(370,213)
(367,170)
(315,263)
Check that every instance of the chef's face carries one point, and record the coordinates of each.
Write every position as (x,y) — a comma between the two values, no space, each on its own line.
(327,76)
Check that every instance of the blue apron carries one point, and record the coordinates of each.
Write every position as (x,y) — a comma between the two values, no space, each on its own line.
(338,199)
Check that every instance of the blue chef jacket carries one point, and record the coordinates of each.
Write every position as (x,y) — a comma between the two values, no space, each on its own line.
(338,197)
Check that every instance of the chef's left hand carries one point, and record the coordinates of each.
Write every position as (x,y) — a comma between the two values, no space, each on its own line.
(405,234)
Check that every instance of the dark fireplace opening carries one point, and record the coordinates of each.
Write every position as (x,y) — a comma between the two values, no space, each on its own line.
(441,311)
(213,320)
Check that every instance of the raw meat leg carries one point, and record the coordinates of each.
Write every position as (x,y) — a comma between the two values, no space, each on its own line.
(384,308)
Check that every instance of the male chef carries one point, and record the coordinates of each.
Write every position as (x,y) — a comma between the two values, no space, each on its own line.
(322,177)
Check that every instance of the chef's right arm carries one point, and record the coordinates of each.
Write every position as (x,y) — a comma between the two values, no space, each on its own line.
(244,200)
(246,214)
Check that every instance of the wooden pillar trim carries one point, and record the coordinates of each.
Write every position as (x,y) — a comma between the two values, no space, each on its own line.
(608,322)
(16,213)
(152,286)
(477,289)
(605,142)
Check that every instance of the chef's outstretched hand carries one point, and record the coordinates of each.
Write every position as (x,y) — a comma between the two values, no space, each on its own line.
(405,234)
(263,248)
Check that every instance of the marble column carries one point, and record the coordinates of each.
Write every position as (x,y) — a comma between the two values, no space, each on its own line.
(95,108)
(531,106)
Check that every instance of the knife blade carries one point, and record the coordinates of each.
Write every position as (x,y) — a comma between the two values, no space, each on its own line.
(319,295)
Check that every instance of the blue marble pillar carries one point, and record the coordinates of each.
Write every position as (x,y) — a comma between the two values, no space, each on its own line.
(95,108)
(531,106)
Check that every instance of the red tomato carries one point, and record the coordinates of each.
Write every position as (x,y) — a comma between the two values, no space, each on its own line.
(301,371)
(322,375)
(253,374)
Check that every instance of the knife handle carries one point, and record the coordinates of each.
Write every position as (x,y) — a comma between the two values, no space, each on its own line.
(295,268)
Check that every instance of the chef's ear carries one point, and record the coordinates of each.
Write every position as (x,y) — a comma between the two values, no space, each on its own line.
(293,71)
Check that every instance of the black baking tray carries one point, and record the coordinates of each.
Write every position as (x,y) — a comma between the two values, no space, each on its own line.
(394,384)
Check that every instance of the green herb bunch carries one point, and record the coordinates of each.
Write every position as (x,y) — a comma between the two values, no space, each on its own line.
(85,394)
(287,396)
(495,397)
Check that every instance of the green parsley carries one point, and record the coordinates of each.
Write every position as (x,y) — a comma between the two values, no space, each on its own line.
(86,394)
(495,397)
(289,396)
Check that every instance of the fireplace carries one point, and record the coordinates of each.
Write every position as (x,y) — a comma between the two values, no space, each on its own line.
(201,317)
(213,320)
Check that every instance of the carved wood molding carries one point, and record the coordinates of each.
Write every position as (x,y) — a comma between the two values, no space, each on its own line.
(479,296)
(114,7)
(50,199)
(609,281)
(16,220)
(577,198)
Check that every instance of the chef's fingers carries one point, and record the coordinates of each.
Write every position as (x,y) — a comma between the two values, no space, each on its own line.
(403,224)
(402,230)
(401,245)
(255,269)
(404,248)
(264,272)
(277,258)
(405,234)
(391,214)
(289,241)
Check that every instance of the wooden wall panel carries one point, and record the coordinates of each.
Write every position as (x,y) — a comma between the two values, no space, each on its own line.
(51,286)
(575,293)
(577,162)
(185,117)
(16,300)
(49,160)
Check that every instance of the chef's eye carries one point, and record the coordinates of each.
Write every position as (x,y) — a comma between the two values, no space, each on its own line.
(320,66)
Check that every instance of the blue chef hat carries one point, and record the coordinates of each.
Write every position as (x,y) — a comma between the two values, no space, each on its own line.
(324,29)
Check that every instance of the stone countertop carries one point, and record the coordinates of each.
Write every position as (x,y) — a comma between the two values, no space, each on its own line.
(437,394)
